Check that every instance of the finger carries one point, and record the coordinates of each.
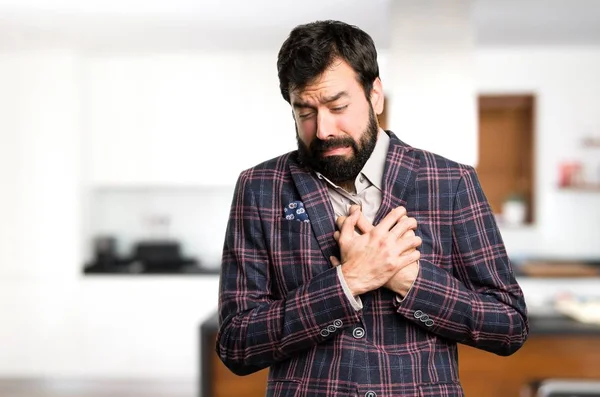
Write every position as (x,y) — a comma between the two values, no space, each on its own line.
(408,245)
(391,219)
(363,224)
(347,229)
(334,261)
(336,235)
(408,233)
(405,260)
(339,221)
(412,256)
(403,226)
(415,242)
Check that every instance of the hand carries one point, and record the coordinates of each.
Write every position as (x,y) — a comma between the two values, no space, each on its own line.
(402,281)
(372,258)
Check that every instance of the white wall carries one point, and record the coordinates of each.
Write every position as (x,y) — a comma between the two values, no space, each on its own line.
(39,164)
(55,322)
(39,202)
(432,59)
(567,88)
(158,119)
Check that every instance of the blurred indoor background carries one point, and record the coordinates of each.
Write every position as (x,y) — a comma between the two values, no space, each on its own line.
(125,123)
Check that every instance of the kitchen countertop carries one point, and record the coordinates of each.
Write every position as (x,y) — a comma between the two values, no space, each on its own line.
(560,325)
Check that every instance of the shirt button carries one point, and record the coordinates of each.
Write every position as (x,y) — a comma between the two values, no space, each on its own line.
(418,314)
(362,179)
(370,394)
(358,332)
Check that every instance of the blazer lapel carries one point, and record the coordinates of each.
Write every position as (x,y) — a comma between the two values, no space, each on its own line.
(314,195)
(398,177)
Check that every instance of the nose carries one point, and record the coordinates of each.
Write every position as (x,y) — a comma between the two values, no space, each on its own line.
(325,126)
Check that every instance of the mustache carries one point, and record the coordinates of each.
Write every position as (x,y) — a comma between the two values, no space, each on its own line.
(318,145)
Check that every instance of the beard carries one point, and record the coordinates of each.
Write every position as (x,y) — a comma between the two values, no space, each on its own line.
(339,169)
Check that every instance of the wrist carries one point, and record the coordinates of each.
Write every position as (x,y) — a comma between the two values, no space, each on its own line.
(352,283)
(403,281)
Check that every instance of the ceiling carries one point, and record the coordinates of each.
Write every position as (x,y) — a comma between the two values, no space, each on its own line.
(264,24)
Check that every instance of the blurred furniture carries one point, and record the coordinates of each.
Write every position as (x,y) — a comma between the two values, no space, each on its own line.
(148,257)
(558,348)
(216,380)
(568,388)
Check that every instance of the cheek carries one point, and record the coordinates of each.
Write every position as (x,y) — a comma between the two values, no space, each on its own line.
(352,126)
(306,131)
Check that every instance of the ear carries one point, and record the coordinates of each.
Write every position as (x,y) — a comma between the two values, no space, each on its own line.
(377,97)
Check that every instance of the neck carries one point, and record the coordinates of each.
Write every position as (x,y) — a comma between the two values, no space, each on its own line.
(348,186)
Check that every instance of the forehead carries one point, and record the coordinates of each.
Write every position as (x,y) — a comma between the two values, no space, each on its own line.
(339,76)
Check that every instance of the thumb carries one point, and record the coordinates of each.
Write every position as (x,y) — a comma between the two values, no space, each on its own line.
(334,261)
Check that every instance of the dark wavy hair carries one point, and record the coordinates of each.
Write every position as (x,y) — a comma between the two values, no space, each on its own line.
(312,47)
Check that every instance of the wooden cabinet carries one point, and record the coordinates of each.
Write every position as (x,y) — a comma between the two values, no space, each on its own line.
(542,357)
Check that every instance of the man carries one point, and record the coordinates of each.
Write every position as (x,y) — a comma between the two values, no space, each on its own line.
(354,265)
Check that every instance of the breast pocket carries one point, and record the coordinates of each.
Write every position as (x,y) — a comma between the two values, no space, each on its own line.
(294,226)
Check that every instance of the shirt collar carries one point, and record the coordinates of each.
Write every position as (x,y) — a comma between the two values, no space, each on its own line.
(375,166)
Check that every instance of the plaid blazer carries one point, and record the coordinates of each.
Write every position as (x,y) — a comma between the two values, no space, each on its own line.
(281,304)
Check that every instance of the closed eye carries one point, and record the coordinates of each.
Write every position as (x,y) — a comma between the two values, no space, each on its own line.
(305,116)
(338,109)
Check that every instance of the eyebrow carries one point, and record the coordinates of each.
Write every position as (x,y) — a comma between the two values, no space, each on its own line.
(329,99)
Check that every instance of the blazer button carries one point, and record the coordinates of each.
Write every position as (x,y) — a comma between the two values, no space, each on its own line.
(429,322)
(338,323)
(424,317)
(331,328)
(370,394)
(358,332)
(324,333)
(418,314)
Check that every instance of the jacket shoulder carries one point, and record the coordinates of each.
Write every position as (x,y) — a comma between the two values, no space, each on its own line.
(275,168)
(439,163)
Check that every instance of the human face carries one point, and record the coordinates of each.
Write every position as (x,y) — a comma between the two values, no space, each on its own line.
(336,125)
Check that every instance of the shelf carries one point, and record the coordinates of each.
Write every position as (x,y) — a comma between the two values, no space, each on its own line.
(591,187)
(591,142)
(557,269)
(127,270)
(203,272)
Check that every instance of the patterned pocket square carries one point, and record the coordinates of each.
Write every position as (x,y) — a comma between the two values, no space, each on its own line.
(295,211)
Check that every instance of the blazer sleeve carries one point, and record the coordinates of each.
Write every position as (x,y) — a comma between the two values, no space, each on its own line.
(481,303)
(256,327)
